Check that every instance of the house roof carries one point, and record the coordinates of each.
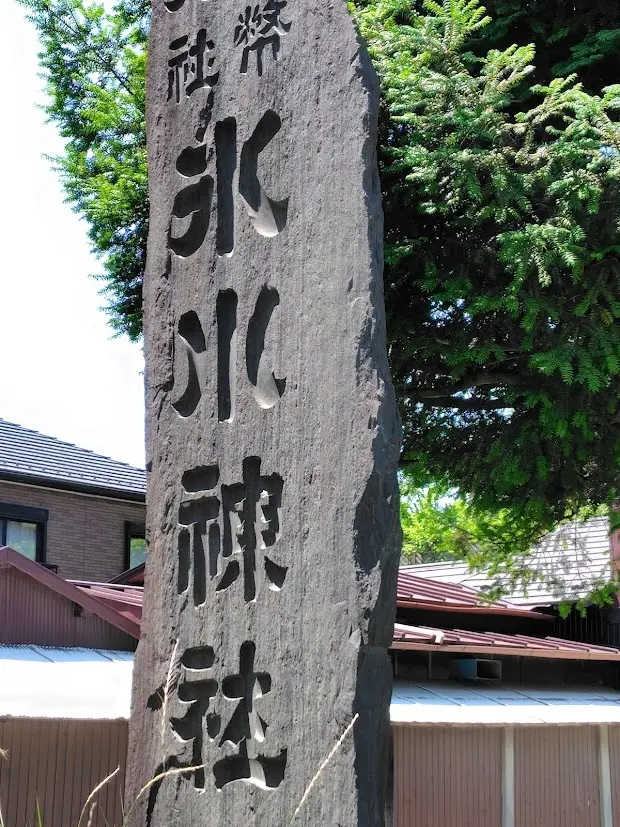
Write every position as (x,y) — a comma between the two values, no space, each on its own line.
(413,593)
(429,639)
(102,605)
(571,561)
(95,684)
(420,593)
(423,593)
(492,705)
(30,457)
(131,577)
(74,683)
(126,600)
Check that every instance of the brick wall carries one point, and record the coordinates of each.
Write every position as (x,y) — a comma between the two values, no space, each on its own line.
(85,535)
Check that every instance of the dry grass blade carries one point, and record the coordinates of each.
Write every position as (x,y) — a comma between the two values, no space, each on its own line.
(39,813)
(155,780)
(91,815)
(171,679)
(4,753)
(332,752)
(94,792)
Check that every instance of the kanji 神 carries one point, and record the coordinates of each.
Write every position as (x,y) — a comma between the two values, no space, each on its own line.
(225,530)
(192,66)
(260,26)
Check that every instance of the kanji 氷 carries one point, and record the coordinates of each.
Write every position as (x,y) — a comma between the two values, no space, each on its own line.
(267,215)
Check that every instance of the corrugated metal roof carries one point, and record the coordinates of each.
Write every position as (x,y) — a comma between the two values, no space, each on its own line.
(123,615)
(462,640)
(489,705)
(43,459)
(126,600)
(95,684)
(571,561)
(423,592)
(71,683)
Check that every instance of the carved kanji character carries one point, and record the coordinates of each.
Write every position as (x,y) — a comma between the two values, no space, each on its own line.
(265,387)
(246,730)
(195,692)
(267,216)
(250,512)
(251,526)
(192,200)
(198,517)
(260,26)
(192,67)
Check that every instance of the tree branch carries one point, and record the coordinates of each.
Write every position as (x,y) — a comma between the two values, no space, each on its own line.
(463,404)
(80,32)
(476,380)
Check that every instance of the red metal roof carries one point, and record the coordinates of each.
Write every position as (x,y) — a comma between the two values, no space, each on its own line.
(125,604)
(131,577)
(420,592)
(460,640)
(127,600)
(121,605)
(413,592)
(126,620)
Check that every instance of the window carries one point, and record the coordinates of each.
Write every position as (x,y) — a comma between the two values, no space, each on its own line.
(23,529)
(135,545)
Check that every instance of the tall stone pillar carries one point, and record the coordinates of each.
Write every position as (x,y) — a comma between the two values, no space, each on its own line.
(272,429)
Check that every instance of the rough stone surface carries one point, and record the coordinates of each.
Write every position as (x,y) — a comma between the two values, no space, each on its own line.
(272,428)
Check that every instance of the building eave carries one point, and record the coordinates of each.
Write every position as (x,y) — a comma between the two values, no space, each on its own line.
(47,578)
(512,651)
(75,487)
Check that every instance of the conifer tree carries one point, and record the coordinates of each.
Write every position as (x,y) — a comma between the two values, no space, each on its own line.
(502,270)
(502,277)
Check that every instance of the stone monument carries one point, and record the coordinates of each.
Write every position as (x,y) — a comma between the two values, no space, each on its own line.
(272,429)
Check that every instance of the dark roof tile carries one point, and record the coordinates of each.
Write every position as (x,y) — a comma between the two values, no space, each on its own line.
(30,456)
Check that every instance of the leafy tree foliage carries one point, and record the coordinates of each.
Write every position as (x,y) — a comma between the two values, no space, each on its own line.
(441,524)
(436,525)
(501,198)
(502,266)
(95,66)
(582,36)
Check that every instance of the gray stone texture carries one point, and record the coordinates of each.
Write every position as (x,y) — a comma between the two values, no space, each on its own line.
(272,428)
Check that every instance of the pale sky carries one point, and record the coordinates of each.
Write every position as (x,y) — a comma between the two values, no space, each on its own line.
(61,372)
